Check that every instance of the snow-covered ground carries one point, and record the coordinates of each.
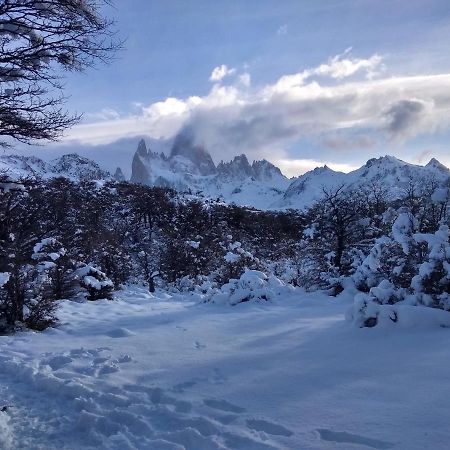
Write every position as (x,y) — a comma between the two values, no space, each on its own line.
(143,372)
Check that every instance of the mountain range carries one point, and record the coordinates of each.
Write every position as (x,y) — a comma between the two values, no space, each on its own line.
(190,168)
(72,166)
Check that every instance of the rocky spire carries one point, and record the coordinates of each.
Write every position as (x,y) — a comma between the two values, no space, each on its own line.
(139,169)
(185,146)
(118,175)
(264,170)
(142,149)
(237,169)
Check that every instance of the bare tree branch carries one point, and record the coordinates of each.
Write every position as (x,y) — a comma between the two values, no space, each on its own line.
(39,41)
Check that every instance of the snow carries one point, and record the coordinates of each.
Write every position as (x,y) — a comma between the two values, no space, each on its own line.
(392,173)
(252,285)
(232,257)
(402,230)
(4,278)
(71,166)
(440,195)
(193,244)
(160,372)
(260,185)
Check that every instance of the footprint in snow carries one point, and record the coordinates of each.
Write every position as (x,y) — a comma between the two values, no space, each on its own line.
(227,419)
(119,333)
(268,427)
(349,438)
(181,387)
(58,362)
(199,346)
(237,442)
(223,405)
(218,377)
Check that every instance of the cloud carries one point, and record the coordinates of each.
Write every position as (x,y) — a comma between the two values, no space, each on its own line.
(104,114)
(220,72)
(351,142)
(336,104)
(424,156)
(282,30)
(245,79)
(406,117)
(336,68)
(339,68)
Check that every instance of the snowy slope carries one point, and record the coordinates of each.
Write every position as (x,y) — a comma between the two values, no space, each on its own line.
(158,373)
(71,166)
(388,171)
(308,188)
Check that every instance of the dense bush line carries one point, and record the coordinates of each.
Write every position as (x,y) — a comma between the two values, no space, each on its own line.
(60,239)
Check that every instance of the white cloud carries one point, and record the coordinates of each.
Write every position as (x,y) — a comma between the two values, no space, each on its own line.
(321,104)
(336,68)
(282,30)
(339,68)
(104,114)
(245,79)
(220,72)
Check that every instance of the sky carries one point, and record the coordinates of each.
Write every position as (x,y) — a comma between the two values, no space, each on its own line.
(301,83)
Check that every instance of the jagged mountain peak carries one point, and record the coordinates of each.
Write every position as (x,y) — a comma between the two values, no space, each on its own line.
(118,175)
(140,171)
(392,172)
(321,170)
(385,160)
(142,149)
(264,170)
(78,167)
(237,168)
(435,164)
(185,146)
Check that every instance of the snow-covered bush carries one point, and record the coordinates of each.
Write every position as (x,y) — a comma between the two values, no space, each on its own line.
(236,262)
(95,282)
(54,268)
(405,268)
(4,277)
(28,294)
(252,285)
(339,228)
(432,282)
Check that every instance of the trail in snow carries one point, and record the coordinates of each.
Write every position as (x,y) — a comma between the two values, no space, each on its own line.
(159,373)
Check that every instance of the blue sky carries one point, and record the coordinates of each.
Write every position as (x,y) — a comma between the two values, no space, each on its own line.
(300,83)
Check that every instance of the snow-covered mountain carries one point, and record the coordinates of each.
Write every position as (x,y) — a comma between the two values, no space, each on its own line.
(262,185)
(72,166)
(389,172)
(190,168)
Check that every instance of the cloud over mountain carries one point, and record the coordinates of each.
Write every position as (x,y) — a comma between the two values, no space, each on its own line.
(346,101)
